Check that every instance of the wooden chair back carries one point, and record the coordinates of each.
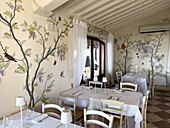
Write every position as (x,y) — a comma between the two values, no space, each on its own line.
(95,121)
(96,82)
(116,108)
(119,75)
(128,86)
(52,106)
(144,110)
(69,103)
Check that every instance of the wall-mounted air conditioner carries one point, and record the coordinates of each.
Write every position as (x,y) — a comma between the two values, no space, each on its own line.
(154,28)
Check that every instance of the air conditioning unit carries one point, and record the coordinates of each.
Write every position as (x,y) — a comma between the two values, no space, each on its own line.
(154,28)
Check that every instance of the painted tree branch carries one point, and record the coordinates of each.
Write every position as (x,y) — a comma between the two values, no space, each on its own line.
(30,89)
(124,49)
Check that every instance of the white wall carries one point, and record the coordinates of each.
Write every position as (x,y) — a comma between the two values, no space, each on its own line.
(12,83)
(134,28)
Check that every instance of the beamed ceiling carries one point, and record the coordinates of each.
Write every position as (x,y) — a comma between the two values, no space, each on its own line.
(112,15)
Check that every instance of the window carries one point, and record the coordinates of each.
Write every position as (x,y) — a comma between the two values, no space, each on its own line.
(95,59)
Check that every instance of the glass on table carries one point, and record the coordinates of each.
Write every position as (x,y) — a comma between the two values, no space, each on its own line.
(30,113)
(7,121)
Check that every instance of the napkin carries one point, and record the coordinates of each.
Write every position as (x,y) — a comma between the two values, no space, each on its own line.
(39,118)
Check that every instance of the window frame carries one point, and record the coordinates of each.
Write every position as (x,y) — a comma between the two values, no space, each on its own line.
(100,57)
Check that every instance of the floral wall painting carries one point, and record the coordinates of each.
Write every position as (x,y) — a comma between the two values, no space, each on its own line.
(96,30)
(124,48)
(149,48)
(37,76)
(146,48)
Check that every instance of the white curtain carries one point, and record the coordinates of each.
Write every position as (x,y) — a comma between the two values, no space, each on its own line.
(168,64)
(110,57)
(79,50)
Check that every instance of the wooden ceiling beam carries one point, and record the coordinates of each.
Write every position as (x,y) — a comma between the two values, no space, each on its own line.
(131,13)
(93,7)
(121,11)
(97,12)
(82,6)
(132,20)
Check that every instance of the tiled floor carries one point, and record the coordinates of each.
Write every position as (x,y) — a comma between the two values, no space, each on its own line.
(158,115)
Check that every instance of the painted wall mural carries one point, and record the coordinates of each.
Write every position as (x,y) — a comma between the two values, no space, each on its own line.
(96,30)
(124,48)
(149,47)
(146,48)
(37,34)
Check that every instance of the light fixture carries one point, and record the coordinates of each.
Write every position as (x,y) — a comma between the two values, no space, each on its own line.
(66,117)
(20,101)
(104,82)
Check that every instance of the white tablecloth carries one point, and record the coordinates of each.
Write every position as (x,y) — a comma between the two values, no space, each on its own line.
(49,122)
(141,80)
(87,98)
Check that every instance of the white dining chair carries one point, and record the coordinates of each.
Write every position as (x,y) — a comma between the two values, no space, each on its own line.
(114,108)
(144,110)
(70,103)
(119,75)
(52,106)
(128,86)
(95,121)
(96,82)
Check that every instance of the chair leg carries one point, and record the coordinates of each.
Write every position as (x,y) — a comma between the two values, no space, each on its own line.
(153,90)
(145,119)
(142,124)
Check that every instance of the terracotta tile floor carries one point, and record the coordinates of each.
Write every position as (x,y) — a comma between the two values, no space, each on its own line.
(158,115)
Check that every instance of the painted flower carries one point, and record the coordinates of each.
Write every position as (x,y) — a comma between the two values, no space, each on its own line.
(2,72)
(32,34)
(61,57)
(58,52)
(145,51)
(40,79)
(148,42)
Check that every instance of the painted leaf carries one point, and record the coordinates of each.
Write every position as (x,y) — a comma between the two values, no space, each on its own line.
(1,58)
(15,25)
(7,35)
(6,48)
(36,85)
(25,23)
(10,5)
(20,69)
(28,52)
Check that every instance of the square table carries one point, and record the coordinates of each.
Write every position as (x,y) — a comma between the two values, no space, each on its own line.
(140,78)
(87,98)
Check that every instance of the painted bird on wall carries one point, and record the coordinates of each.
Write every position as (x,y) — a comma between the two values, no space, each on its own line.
(9,57)
(62,74)
(49,49)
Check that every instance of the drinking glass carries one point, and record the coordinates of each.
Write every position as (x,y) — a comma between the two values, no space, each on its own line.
(30,114)
(7,121)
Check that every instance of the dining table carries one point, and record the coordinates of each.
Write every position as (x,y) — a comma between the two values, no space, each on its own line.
(89,98)
(140,78)
(38,121)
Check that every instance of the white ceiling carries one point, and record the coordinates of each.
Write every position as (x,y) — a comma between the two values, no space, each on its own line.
(114,14)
